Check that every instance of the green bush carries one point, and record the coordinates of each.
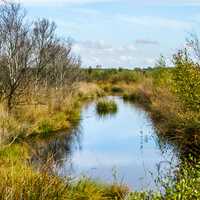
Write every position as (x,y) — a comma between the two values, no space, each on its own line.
(186,76)
(188,182)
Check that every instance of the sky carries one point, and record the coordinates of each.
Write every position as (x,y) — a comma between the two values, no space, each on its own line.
(121,33)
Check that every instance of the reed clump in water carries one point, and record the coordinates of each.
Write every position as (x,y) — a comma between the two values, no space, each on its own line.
(105,106)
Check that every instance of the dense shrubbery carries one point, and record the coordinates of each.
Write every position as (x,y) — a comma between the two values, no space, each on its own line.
(188,183)
(186,76)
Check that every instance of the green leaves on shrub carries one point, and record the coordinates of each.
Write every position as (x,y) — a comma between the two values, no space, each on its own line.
(186,76)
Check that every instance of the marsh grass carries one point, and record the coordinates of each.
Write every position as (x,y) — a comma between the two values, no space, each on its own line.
(88,91)
(37,186)
(19,181)
(47,113)
(139,97)
(106,106)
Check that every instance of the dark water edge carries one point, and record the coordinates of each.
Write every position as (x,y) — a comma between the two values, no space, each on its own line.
(123,147)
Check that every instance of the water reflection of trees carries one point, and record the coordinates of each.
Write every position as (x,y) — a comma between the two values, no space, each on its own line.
(184,145)
(56,151)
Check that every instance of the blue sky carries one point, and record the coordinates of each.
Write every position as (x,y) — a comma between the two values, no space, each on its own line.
(121,33)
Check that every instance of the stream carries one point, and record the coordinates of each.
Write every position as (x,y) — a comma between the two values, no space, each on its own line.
(122,148)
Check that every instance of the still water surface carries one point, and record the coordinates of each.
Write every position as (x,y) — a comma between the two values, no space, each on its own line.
(123,146)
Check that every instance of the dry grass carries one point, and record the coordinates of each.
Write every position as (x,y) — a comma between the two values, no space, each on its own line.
(89,90)
(23,183)
(47,112)
(19,181)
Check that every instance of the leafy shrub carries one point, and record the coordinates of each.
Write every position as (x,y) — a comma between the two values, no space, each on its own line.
(188,182)
(186,78)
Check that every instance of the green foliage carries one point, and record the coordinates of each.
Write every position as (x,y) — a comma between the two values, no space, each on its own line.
(188,183)
(162,76)
(186,76)
(104,107)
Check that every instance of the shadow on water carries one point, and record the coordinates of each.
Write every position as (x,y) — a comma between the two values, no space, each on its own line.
(55,151)
(123,145)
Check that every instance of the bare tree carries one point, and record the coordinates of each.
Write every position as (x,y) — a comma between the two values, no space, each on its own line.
(60,64)
(45,42)
(66,66)
(64,71)
(15,51)
(32,55)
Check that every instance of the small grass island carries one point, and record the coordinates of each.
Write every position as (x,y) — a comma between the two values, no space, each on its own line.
(106,106)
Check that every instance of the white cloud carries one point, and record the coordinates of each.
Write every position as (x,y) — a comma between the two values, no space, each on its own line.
(100,53)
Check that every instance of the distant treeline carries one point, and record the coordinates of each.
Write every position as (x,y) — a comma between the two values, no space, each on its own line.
(114,75)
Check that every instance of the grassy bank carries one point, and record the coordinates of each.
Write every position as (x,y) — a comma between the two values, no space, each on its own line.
(53,113)
(18,180)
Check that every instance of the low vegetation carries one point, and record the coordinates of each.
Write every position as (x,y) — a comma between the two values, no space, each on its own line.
(38,186)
